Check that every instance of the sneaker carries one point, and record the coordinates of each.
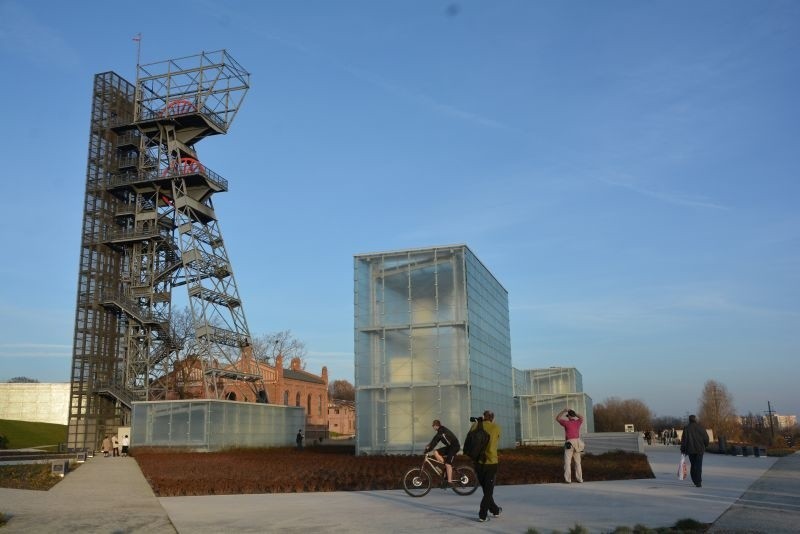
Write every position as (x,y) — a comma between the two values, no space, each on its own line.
(499,511)
(483,519)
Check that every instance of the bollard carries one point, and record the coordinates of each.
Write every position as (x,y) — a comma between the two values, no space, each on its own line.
(59,468)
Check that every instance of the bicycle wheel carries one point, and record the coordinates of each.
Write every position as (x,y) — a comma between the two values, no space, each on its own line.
(417,482)
(466,480)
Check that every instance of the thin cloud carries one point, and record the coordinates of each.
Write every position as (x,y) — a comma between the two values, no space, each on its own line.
(670,198)
(315,353)
(24,36)
(4,346)
(426,100)
(363,75)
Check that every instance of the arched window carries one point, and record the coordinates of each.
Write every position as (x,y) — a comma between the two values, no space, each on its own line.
(286,398)
(231,396)
(297,399)
(308,404)
(320,406)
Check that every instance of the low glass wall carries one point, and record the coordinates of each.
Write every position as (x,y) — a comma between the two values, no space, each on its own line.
(214,424)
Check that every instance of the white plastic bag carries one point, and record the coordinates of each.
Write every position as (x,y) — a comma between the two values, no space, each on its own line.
(682,468)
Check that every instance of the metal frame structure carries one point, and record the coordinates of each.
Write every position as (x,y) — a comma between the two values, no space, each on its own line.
(148,226)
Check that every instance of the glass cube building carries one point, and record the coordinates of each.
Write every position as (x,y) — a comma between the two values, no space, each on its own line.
(539,394)
(432,341)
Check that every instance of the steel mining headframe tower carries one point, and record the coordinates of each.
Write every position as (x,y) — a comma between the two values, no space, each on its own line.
(148,226)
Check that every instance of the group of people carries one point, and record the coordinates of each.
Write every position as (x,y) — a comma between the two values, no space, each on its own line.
(110,446)
(693,443)
(486,466)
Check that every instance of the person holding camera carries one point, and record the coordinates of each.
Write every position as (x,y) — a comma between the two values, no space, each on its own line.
(486,468)
(448,452)
(573,446)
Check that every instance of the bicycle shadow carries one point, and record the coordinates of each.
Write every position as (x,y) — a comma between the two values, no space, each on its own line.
(402,500)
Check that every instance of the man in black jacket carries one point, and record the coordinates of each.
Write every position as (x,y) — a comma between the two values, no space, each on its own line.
(448,452)
(694,442)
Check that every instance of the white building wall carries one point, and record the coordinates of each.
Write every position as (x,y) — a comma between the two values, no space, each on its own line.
(35,402)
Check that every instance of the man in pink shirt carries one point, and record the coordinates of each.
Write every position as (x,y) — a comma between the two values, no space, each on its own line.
(573,446)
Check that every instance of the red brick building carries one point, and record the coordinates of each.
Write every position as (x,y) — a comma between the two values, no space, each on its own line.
(342,417)
(259,382)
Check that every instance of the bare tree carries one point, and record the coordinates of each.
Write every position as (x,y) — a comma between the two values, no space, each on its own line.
(614,413)
(715,410)
(342,390)
(22,380)
(182,365)
(268,346)
(667,421)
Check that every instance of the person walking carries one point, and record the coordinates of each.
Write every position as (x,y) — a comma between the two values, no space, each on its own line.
(448,451)
(126,444)
(106,446)
(114,445)
(573,445)
(693,443)
(299,440)
(486,468)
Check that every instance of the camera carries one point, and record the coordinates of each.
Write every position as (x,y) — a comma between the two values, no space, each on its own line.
(475,419)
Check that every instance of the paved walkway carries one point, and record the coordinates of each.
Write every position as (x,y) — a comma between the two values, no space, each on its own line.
(110,495)
(771,504)
(102,495)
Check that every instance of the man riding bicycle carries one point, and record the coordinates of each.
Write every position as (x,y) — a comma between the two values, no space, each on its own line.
(448,452)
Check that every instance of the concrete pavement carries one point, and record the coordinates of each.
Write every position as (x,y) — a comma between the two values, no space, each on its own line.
(112,496)
(102,495)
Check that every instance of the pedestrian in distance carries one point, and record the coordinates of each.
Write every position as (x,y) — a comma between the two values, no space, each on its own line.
(448,451)
(573,444)
(486,468)
(299,440)
(126,444)
(693,443)
(114,446)
(106,446)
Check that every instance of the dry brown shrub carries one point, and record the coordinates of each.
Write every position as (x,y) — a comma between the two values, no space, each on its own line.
(336,468)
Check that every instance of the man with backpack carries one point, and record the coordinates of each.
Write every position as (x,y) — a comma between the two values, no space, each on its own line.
(448,452)
(486,464)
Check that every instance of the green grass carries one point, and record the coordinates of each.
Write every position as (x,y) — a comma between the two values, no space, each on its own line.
(24,434)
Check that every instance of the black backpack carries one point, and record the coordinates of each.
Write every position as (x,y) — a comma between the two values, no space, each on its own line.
(476,443)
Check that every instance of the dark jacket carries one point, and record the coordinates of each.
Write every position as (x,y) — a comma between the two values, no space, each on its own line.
(694,439)
(446,436)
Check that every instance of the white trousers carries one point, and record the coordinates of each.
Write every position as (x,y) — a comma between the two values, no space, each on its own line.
(570,455)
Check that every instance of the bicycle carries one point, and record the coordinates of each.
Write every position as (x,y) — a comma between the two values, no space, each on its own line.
(418,481)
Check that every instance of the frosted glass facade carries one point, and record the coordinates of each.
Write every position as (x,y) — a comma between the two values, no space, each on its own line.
(214,424)
(542,393)
(432,341)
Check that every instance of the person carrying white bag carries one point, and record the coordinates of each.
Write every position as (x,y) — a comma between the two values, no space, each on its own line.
(682,468)
(693,444)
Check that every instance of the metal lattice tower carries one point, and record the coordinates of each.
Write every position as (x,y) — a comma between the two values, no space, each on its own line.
(148,226)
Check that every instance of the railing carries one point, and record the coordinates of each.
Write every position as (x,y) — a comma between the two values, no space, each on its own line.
(181,108)
(121,394)
(201,170)
(131,308)
(131,178)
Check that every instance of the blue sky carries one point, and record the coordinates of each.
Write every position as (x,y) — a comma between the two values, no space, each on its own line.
(627,170)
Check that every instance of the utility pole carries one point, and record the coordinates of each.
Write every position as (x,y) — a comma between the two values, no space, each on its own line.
(771,424)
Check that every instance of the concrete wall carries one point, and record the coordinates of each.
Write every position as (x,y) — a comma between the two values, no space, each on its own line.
(40,403)
(600,442)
